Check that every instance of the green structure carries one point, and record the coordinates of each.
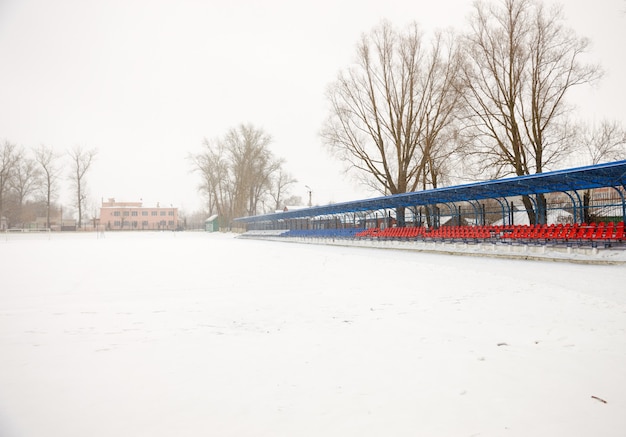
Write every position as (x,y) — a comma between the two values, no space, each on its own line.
(212,224)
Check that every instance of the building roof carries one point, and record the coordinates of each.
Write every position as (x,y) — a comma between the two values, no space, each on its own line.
(611,174)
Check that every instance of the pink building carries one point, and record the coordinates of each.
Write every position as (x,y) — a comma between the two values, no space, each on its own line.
(133,216)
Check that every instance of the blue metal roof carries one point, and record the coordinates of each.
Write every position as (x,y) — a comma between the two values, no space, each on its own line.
(611,174)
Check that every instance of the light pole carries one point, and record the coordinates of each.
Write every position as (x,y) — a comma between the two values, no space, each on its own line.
(310,195)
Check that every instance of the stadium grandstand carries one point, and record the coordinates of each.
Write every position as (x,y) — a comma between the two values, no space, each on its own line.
(578,206)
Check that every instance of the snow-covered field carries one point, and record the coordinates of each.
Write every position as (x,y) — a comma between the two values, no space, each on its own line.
(193,334)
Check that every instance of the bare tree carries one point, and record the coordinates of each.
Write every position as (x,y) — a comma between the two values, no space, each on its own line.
(9,158)
(236,171)
(253,165)
(24,182)
(390,112)
(49,174)
(81,162)
(521,62)
(604,143)
(214,170)
(280,183)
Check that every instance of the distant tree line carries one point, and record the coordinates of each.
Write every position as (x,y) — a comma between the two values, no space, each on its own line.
(30,180)
(412,113)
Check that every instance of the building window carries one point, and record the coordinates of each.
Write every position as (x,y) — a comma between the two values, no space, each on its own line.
(144,213)
(133,213)
(170,213)
(116,213)
(154,213)
(162,212)
(134,223)
(117,223)
(144,223)
(125,213)
(170,223)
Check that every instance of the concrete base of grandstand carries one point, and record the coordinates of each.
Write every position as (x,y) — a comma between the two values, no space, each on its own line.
(543,252)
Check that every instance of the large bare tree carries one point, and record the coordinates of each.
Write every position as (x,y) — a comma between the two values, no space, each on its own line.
(24,183)
(213,168)
(236,171)
(521,62)
(392,110)
(81,160)
(49,174)
(9,159)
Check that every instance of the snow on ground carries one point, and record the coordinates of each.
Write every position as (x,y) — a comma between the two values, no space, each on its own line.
(193,334)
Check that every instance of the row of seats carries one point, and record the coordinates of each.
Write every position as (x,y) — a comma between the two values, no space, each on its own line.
(401,233)
(323,233)
(585,231)
(559,233)
(555,232)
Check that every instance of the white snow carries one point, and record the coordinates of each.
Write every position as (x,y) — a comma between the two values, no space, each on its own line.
(194,334)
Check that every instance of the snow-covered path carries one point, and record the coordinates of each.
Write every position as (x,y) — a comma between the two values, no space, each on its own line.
(193,334)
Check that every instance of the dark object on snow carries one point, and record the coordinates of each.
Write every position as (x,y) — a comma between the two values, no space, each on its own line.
(598,399)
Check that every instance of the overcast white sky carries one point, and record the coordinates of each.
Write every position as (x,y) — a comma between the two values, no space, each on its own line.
(145,81)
